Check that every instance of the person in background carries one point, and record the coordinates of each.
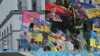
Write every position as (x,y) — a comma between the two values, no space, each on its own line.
(5,45)
(25,44)
(54,19)
(80,11)
(52,16)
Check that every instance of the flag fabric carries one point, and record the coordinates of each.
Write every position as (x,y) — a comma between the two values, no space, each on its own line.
(51,39)
(85,10)
(42,21)
(38,37)
(46,25)
(23,27)
(53,48)
(37,15)
(27,17)
(38,28)
(90,10)
(46,29)
(92,42)
(73,2)
(93,34)
(61,32)
(94,28)
(97,5)
(36,21)
(96,1)
(97,9)
(93,37)
(95,24)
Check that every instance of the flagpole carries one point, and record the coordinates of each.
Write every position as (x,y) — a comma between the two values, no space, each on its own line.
(74,16)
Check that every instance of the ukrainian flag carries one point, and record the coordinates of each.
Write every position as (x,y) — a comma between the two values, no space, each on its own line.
(96,1)
(38,37)
(94,28)
(93,37)
(90,9)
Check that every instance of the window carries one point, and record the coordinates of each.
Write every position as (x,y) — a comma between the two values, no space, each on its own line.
(34,5)
(7,30)
(19,5)
(10,28)
(2,34)
(1,1)
(90,1)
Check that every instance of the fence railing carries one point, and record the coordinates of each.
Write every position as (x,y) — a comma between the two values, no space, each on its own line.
(65,53)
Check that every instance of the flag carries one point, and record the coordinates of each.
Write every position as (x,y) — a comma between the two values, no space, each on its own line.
(92,42)
(24,27)
(51,39)
(73,2)
(96,1)
(93,34)
(36,21)
(61,32)
(90,10)
(97,9)
(27,17)
(42,21)
(46,25)
(37,15)
(39,37)
(85,10)
(53,49)
(96,25)
(93,37)
(38,28)
(46,29)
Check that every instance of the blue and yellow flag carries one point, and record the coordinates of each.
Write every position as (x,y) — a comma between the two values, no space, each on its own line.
(84,10)
(24,27)
(38,37)
(93,37)
(96,25)
(90,10)
(96,1)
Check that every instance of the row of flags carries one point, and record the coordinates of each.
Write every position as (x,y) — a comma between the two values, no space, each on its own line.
(90,10)
(33,18)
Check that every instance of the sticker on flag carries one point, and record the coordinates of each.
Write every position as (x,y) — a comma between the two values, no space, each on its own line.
(31,16)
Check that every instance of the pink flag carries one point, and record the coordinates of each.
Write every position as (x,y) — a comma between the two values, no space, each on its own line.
(28,17)
(37,16)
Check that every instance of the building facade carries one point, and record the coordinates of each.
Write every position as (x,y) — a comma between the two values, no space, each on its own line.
(10,18)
